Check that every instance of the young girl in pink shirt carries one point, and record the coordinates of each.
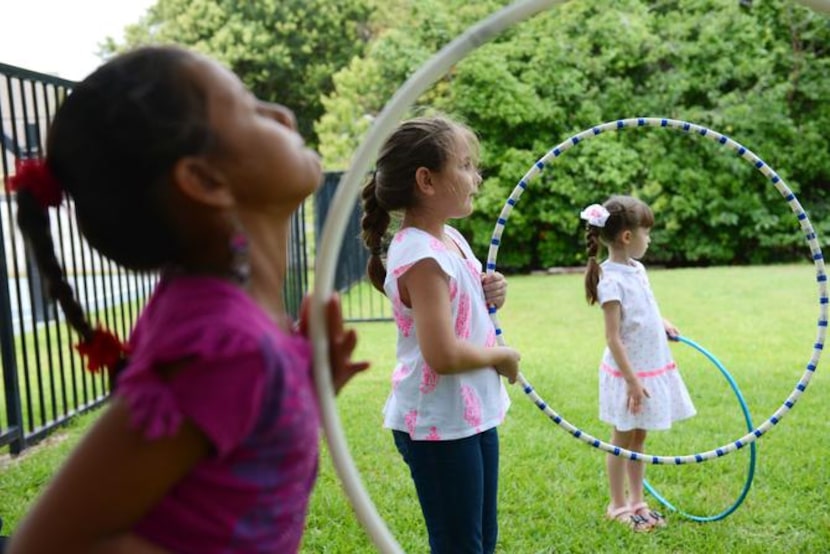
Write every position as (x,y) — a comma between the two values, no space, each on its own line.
(210,441)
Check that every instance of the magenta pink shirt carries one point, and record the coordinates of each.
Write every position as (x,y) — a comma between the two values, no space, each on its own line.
(247,385)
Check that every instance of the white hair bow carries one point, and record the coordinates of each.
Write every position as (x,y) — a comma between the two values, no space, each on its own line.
(595,215)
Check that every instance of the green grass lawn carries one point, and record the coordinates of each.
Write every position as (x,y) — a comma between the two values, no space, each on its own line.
(759,321)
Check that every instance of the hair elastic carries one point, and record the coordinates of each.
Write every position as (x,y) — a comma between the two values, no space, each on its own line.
(34,176)
(102,350)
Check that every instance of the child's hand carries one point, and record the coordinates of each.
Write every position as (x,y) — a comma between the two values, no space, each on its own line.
(341,342)
(495,288)
(509,367)
(637,393)
(671,330)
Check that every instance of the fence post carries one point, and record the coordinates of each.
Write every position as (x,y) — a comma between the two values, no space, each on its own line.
(11,386)
(353,256)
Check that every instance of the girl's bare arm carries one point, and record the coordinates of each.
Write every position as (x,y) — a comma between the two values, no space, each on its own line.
(109,482)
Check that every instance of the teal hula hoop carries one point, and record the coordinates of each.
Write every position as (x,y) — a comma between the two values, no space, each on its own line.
(752,447)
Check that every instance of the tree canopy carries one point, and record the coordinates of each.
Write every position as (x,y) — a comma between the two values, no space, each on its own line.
(757,75)
(285,50)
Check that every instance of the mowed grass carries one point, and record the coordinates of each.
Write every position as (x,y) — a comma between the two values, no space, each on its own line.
(759,321)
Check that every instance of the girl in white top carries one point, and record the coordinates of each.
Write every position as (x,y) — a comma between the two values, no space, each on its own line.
(447,395)
(640,387)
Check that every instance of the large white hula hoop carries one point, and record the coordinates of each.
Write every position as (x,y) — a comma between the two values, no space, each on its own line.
(335,226)
(812,240)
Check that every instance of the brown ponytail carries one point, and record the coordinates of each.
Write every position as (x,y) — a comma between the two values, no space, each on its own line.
(592,270)
(374,223)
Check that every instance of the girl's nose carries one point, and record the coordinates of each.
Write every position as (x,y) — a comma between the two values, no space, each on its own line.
(281,114)
(285,116)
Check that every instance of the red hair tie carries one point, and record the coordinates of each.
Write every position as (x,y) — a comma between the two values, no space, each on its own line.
(103,350)
(34,175)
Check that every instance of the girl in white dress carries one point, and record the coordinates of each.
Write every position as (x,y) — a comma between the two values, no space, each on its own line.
(640,387)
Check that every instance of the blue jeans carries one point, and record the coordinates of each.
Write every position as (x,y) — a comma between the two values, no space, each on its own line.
(457,484)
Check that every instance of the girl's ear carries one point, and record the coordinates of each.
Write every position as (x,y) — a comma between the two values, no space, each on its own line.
(423,180)
(625,236)
(201,183)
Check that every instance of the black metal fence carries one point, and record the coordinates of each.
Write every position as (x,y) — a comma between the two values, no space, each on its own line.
(44,383)
(360,301)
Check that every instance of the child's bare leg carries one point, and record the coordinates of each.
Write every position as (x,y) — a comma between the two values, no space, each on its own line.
(616,468)
(636,470)
(636,475)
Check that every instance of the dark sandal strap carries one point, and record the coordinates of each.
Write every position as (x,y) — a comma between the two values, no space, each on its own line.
(639,523)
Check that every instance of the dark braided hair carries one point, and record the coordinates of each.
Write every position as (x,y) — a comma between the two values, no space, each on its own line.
(626,213)
(112,146)
(421,142)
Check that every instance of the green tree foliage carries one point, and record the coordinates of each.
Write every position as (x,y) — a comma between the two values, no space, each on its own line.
(760,76)
(285,50)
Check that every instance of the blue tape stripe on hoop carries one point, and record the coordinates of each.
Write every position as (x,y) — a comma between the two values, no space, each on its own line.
(804,222)
(719,452)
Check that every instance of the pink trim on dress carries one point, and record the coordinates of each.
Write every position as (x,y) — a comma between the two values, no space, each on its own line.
(671,366)
(433,434)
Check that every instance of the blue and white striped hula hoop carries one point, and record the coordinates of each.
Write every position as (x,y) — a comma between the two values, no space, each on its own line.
(775,180)
(334,228)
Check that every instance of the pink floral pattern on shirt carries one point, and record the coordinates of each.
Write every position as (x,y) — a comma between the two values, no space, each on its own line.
(401,270)
(472,406)
(429,379)
(462,320)
(473,268)
(411,420)
(437,245)
(403,320)
(424,403)
(399,374)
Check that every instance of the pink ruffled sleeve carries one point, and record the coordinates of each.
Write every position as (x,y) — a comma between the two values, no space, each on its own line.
(218,381)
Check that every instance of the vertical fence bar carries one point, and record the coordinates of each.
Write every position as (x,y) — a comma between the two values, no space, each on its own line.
(12,433)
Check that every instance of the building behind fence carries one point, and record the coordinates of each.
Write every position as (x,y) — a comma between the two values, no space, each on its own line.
(44,383)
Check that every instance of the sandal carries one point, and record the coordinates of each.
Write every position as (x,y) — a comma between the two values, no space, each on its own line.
(655,518)
(624,515)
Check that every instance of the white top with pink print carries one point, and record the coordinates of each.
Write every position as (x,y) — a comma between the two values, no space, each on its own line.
(423,403)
